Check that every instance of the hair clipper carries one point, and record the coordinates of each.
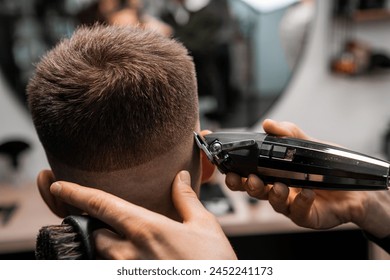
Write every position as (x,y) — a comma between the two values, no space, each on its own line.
(295,162)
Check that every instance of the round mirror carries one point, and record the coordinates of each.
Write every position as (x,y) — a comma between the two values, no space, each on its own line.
(245,51)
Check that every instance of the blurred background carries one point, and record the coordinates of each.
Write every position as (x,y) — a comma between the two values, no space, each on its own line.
(236,45)
(321,64)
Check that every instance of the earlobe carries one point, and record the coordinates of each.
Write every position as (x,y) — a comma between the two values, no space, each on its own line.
(44,180)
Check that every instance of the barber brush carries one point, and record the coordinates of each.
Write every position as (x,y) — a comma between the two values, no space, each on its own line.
(72,240)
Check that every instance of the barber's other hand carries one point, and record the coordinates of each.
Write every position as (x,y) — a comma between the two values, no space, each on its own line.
(144,234)
(317,209)
(253,185)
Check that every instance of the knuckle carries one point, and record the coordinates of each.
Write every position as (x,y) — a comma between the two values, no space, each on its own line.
(96,205)
(69,195)
(188,193)
(142,233)
(256,191)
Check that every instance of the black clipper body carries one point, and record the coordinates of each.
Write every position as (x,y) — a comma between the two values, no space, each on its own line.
(295,162)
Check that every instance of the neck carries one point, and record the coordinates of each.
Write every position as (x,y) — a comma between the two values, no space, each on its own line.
(148,185)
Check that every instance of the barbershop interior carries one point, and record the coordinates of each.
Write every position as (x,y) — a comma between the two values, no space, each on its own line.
(322,65)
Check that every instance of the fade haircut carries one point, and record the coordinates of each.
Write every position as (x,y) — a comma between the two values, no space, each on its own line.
(110,98)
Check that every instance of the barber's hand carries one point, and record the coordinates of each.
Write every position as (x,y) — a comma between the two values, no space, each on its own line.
(253,185)
(147,235)
(317,209)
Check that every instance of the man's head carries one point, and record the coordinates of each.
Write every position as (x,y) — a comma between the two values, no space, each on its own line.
(115,108)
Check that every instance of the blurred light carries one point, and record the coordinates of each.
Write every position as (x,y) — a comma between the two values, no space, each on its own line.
(265,6)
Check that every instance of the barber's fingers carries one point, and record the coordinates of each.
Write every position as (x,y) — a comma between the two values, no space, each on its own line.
(185,199)
(301,209)
(284,129)
(279,198)
(297,204)
(256,188)
(289,129)
(235,182)
(110,246)
(253,185)
(124,217)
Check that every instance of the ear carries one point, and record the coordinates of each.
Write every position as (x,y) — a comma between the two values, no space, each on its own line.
(208,168)
(44,180)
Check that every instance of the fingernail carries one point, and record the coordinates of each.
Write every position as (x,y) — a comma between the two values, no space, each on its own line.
(185,177)
(55,188)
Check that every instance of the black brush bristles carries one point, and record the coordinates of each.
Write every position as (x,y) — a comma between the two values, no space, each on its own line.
(72,240)
(58,242)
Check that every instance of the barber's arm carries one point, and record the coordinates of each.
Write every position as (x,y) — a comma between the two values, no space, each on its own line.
(318,209)
(147,235)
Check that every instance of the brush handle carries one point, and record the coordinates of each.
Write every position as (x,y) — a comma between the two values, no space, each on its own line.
(85,226)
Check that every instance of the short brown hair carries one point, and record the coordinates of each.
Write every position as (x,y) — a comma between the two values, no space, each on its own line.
(111,97)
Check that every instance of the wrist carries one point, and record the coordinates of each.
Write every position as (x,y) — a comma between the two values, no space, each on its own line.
(359,209)
(375,215)
(383,242)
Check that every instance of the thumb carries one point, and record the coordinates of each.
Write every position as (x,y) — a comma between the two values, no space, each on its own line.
(184,198)
(284,129)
